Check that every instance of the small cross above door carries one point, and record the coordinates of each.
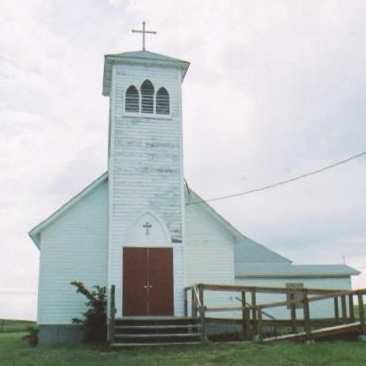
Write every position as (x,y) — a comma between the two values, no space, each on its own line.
(147,226)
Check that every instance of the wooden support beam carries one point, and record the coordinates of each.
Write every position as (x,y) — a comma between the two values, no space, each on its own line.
(336,309)
(202,314)
(112,315)
(262,290)
(351,308)
(293,313)
(246,326)
(254,310)
(185,302)
(260,327)
(344,309)
(243,312)
(361,310)
(307,316)
(193,304)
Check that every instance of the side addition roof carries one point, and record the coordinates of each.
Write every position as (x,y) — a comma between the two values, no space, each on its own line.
(244,248)
(276,270)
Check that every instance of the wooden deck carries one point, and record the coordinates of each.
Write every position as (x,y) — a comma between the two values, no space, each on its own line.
(254,321)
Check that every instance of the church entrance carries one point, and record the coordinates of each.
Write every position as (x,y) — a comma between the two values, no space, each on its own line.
(148,281)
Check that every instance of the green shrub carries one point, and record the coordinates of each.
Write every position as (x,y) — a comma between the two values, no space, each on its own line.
(94,322)
(32,335)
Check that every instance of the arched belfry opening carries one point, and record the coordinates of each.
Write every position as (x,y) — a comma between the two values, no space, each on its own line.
(132,100)
(162,102)
(147,97)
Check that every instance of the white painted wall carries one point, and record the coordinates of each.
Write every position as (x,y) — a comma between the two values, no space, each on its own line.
(73,247)
(209,254)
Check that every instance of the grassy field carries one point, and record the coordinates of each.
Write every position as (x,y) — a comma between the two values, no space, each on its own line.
(15,352)
(7,326)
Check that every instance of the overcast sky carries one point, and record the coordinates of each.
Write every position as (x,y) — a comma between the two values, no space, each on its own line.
(275,89)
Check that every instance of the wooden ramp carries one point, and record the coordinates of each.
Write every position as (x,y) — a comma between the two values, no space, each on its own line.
(337,330)
(251,315)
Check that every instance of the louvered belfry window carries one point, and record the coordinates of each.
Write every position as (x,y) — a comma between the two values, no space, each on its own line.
(162,102)
(147,97)
(132,100)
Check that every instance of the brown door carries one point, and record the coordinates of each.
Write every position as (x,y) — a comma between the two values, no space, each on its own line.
(147,281)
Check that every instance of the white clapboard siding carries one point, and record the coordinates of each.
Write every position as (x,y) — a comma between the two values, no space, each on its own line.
(318,309)
(73,247)
(145,168)
(209,255)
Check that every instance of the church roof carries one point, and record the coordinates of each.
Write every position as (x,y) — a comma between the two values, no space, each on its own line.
(146,55)
(191,198)
(264,263)
(138,56)
(285,270)
(35,233)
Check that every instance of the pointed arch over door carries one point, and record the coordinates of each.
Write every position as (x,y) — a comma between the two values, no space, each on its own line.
(148,229)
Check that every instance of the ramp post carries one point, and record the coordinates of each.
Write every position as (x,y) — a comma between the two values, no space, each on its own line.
(307,315)
(361,310)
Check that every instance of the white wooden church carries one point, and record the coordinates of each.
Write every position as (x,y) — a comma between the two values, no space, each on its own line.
(139,226)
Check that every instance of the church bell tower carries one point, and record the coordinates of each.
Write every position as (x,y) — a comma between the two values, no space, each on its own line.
(146,202)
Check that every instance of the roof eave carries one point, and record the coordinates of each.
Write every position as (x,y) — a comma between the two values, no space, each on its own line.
(36,238)
(110,60)
(352,272)
(35,233)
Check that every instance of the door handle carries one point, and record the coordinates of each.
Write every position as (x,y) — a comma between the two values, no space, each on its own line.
(145,287)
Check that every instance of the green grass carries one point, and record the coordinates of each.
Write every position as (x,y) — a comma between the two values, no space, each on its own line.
(15,352)
(7,326)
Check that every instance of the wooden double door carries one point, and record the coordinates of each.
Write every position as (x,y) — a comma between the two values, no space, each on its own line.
(148,281)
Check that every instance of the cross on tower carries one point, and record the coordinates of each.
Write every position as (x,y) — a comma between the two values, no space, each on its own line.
(147,226)
(143,31)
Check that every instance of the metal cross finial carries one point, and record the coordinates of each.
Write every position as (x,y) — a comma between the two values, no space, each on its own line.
(143,31)
(147,226)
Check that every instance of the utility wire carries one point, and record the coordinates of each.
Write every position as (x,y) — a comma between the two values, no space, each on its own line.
(281,182)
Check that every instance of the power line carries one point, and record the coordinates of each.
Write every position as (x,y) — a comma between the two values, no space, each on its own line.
(281,182)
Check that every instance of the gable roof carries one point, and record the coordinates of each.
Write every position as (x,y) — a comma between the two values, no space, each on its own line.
(138,57)
(273,265)
(191,198)
(35,233)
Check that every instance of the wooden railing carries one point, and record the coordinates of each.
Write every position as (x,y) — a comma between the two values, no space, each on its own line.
(197,308)
(253,313)
(112,315)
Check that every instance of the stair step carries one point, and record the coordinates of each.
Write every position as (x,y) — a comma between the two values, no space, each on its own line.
(153,331)
(121,345)
(183,326)
(151,335)
(154,323)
